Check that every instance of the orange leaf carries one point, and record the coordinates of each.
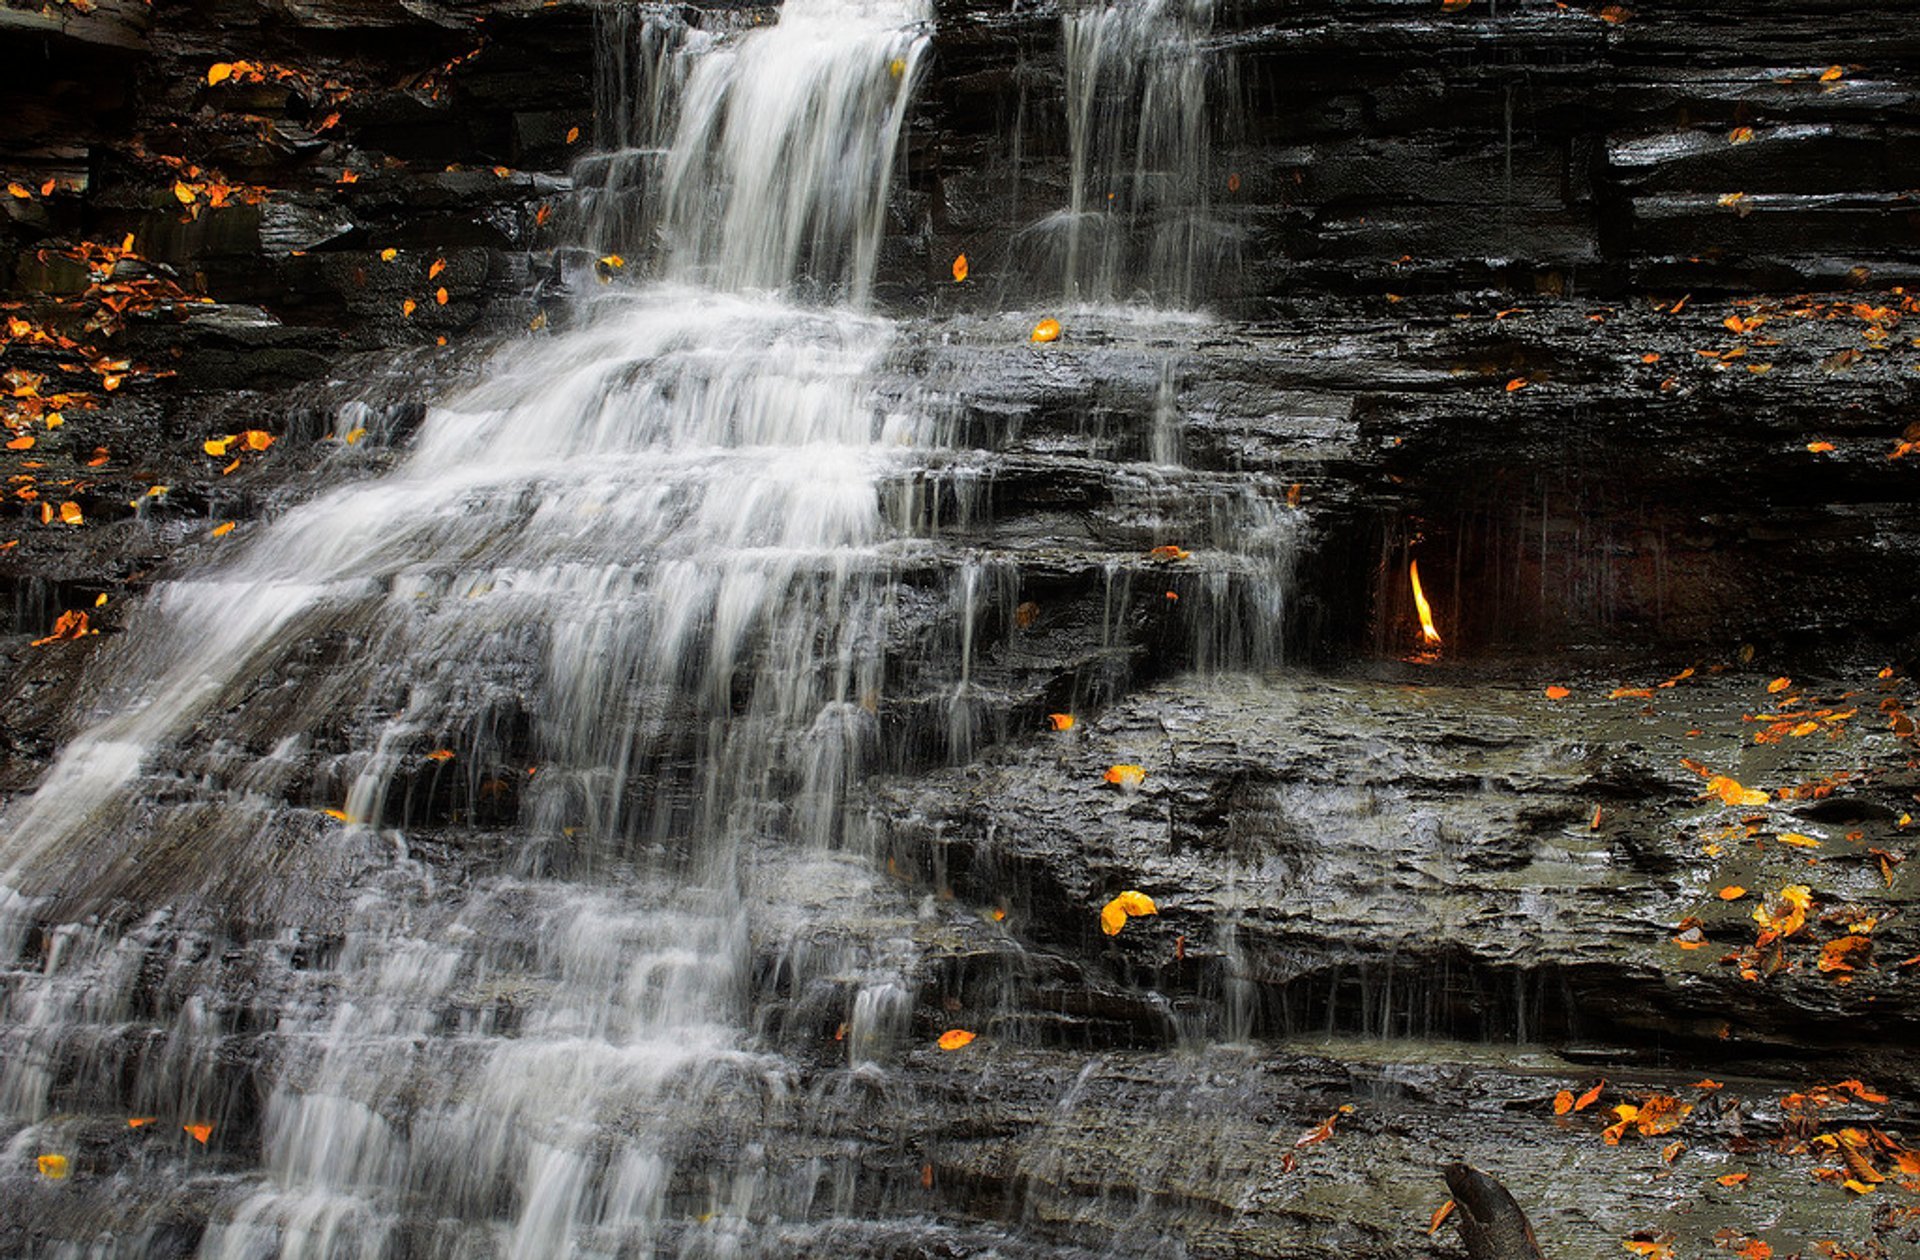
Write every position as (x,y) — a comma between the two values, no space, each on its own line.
(257,440)
(960,269)
(1061,721)
(1830,74)
(1733,1179)
(389,254)
(1518,382)
(1046,330)
(1440,1214)
(53,1167)
(573,133)
(1126,776)
(223,529)
(440,295)
(1168,551)
(199,1132)
(1819,448)
(1732,892)
(338,815)
(1557,692)
(1453,6)
(437,266)
(1563,1102)
(218,73)
(135,1122)
(1779,685)
(1630,693)
(440,754)
(1587,1099)
(1671,1151)
(408,307)
(955,1038)
(70,513)
(1615,14)
(1740,135)
(23,443)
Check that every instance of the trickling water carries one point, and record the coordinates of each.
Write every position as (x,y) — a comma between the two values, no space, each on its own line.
(1140,217)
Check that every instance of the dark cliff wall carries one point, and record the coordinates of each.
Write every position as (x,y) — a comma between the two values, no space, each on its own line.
(1422,208)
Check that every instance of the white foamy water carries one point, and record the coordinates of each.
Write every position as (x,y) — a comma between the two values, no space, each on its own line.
(656,539)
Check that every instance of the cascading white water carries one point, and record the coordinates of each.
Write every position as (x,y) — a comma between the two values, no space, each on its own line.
(651,550)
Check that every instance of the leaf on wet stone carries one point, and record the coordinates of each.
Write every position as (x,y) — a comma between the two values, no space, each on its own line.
(955,1038)
(1061,721)
(198,1132)
(959,268)
(1129,904)
(1563,1102)
(1126,776)
(1045,330)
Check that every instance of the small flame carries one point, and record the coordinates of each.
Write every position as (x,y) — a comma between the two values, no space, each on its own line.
(1425,609)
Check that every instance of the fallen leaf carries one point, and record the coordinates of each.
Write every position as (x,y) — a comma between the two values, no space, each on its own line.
(1168,551)
(1440,1214)
(1830,74)
(199,1132)
(1779,685)
(1061,721)
(257,440)
(219,72)
(1732,892)
(573,133)
(1733,1179)
(440,296)
(1046,330)
(1129,904)
(1819,448)
(71,624)
(1126,776)
(1730,792)
(1797,840)
(1563,1102)
(1615,14)
(136,1122)
(440,754)
(223,529)
(53,1167)
(408,307)
(1453,6)
(389,254)
(435,267)
(23,443)
(1557,692)
(1517,383)
(338,815)
(70,513)
(1672,1151)
(1740,135)
(955,1038)
(1587,1099)
(1322,1131)
(959,269)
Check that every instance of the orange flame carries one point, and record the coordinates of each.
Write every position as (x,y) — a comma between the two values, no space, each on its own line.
(1425,609)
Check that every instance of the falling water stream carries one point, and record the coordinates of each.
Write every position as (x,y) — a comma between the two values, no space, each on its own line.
(624,619)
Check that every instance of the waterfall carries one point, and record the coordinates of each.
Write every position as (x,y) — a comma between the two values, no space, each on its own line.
(615,613)
(1142,102)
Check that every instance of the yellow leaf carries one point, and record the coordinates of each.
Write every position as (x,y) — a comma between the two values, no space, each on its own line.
(960,269)
(1830,74)
(355,436)
(54,420)
(1126,776)
(100,600)
(614,261)
(897,67)
(1858,1187)
(257,440)
(1129,904)
(1061,721)
(1797,840)
(183,192)
(217,446)
(218,73)
(1779,685)
(1730,792)
(20,191)
(53,1167)
(338,815)
(223,529)
(955,1038)
(389,254)
(1046,330)
(70,513)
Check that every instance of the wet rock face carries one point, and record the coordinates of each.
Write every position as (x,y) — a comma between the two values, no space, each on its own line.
(1510,292)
